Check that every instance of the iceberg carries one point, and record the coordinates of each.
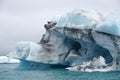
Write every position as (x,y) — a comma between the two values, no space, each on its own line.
(74,39)
(5,59)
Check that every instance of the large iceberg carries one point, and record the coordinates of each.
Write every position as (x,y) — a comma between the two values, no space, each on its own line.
(74,39)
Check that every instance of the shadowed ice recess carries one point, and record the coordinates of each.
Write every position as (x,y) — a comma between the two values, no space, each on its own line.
(79,40)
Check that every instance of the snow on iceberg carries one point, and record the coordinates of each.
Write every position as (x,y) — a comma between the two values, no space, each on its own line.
(110,25)
(79,19)
(5,59)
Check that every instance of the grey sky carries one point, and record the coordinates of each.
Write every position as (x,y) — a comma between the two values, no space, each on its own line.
(23,20)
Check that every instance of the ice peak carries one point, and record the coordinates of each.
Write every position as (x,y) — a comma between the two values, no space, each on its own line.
(79,18)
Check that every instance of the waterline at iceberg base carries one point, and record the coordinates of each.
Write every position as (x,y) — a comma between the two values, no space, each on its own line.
(79,40)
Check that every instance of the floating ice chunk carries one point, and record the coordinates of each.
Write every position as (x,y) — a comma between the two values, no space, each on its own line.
(5,59)
(79,19)
(111,25)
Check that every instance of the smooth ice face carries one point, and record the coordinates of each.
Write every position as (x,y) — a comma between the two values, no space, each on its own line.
(79,19)
(111,25)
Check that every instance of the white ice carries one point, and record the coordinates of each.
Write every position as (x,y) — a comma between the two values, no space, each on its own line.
(5,59)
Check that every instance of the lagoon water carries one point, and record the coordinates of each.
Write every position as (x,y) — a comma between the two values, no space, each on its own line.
(9,72)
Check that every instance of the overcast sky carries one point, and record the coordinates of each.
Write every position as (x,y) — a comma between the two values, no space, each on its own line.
(23,20)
